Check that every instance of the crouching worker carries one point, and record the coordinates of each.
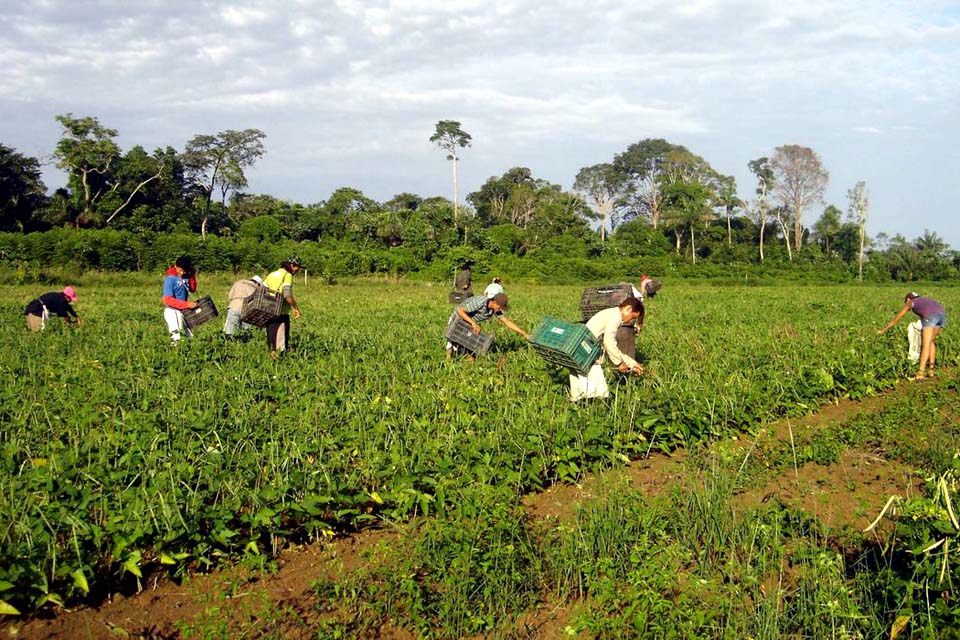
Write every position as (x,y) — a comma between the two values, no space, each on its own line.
(54,303)
(605,325)
(239,291)
(477,309)
(179,281)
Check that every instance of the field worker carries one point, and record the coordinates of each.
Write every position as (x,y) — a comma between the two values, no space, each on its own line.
(281,281)
(57,303)
(627,335)
(933,317)
(493,288)
(605,325)
(477,309)
(463,283)
(179,281)
(240,290)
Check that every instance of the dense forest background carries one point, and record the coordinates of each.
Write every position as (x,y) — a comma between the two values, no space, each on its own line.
(656,208)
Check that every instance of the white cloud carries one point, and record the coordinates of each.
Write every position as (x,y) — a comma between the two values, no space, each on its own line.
(558,86)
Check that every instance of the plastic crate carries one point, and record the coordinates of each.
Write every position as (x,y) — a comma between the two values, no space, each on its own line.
(205,311)
(597,299)
(566,344)
(456,297)
(461,334)
(261,307)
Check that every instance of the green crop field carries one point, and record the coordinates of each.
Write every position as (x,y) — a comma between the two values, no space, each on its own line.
(123,456)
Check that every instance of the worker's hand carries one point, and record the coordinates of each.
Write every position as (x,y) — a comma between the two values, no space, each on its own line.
(192,305)
(296,313)
(79,322)
(476,328)
(622,367)
(638,369)
(880,332)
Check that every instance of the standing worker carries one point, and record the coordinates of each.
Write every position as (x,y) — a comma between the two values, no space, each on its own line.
(933,317)
(605,325)
(476,309)
(239,292)
(179,281)
(58,303)
(463,283)
(627,334)
(281,281)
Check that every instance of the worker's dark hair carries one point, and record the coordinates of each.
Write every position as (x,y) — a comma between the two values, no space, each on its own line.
(185,263)
(635,305)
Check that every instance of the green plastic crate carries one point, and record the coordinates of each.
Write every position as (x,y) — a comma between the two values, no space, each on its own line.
(566,344)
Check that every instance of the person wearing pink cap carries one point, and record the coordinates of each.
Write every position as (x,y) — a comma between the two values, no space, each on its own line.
(55,303)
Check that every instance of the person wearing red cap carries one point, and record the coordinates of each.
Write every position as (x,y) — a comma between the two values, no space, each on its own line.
(57,303)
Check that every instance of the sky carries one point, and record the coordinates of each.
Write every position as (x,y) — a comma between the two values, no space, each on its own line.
(349,92)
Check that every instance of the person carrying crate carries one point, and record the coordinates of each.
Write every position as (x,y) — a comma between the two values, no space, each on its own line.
(477,309)
(179,281)
(235,297)
(281,281)
(627,335)
(605,325)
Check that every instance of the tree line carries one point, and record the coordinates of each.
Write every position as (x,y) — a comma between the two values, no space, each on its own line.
(654,202)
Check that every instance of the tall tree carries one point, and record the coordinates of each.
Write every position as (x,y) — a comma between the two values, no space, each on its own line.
(641,168)
(450,137)
(134,171)
(602,185)
(858,205)
(800,181)
(686,205)
(86,151)
(217,162)
(827,228)
(765,179)
(727,200)
(22,192)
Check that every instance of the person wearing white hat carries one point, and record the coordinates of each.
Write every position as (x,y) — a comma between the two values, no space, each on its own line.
(239,291)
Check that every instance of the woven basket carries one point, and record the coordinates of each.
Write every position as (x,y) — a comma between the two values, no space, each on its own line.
(461,334)
(202,313)
(597,299)
(261,307)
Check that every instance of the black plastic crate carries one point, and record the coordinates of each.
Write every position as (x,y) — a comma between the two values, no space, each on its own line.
(596,299)
(461,334)
(261,307)
(204,312)
(456,297)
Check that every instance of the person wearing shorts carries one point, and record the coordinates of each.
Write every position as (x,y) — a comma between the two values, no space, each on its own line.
(933,318)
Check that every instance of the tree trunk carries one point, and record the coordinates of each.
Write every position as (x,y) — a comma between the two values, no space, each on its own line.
(453,158)
(763,224)
(693,245)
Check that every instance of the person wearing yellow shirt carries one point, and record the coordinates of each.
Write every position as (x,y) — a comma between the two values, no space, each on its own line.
(281,281)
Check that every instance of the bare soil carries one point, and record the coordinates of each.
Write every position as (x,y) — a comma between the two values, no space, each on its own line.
(244,602)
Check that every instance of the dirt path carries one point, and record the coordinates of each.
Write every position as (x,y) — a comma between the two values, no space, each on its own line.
(848,494)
